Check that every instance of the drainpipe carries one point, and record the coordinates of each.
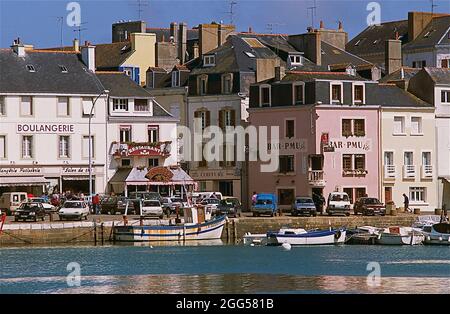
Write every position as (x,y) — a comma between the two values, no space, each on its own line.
(380,153)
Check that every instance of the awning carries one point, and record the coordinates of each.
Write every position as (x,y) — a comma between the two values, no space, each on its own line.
(77,178)
(120,176)
(137,176)
(23,181)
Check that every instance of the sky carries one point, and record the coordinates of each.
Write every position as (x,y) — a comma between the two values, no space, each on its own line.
(36,21)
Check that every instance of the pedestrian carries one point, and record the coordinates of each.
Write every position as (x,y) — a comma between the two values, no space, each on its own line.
(444,217)
(95,204)
(406,203)
(254,198)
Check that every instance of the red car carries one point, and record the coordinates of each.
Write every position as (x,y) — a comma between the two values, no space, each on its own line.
(369,206)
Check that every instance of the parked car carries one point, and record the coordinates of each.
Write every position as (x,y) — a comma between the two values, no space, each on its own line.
(30,210)
(369,206)
(198,197)
(113,205)
(211,203)
(152,208)
(303,206)
(338,203)
(10,201)
(74,210)
(265,204)
(230,206)
(49,208)
(137,196)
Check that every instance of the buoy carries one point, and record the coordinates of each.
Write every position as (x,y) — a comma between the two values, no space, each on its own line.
(253,244)
(151,246)
(428,238)
(286,246)
(440,238)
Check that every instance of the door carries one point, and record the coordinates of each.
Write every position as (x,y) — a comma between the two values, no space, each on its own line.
(387,194)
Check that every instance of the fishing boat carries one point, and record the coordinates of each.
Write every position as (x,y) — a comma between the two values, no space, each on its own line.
(363,235)
(437,234)
(254,239)
(400,236)
(197,225)
(300,236)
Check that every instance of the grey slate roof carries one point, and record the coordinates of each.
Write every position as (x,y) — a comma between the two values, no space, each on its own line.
(389,95)
(311,76)
(439,75)
(432,34)
(109,56)
(192,34)
(332,55)
(407,73)
(120,85)
(48,78)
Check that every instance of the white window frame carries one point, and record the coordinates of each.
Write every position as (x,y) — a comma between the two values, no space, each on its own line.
(403,129)
(175,78)
(153,128)
(85,154)
(86,105)
(404,158)
(120,105)
(22,114)
(420,126)
(447,98)
(5,147)
(331,92)
(2,106)
(31,148)
(135,106)
(123,128)
(415,191)
(261,87)
(67,107)
(353,93)
(68,147)
(431,156)
(294,85)
(209,60)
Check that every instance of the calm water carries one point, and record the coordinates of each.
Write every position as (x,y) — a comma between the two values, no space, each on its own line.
(225,269)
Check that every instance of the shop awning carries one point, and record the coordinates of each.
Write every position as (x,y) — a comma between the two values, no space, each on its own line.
(77,178)
(23,181)
(120,176)
(137,176)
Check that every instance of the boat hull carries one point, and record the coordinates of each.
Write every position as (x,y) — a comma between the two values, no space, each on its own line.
(206,231)
(309,238)
(395,239)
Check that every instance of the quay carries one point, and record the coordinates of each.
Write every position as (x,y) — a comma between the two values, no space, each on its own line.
(99,231)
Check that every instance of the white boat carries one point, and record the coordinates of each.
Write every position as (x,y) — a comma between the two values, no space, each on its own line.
(254,239)
(437,234)
(426,220)
(400,236)
(363,235)
(302,237)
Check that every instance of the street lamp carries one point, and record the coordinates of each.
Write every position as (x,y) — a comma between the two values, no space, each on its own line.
(104,92)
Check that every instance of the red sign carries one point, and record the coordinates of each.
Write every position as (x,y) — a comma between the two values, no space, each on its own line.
(159,174)
(144,151)
(325,138)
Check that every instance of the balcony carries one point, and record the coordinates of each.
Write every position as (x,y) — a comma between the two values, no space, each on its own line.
(409,171)
(390,172)
(315,178)
(142,149)
(427,172)
(354,173)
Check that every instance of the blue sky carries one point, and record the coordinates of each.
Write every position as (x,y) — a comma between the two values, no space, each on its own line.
(35,21)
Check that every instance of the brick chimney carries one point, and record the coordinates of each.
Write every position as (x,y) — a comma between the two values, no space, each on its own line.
(182,42)
(393,55)
(310,43)
(174,31)
(76,45)
(280,72)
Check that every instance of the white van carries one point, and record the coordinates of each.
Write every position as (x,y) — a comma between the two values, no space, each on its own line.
(10,201)
(198,196)
(338,203)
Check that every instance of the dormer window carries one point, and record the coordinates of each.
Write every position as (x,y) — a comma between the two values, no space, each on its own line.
(209,60)
(175,78)
(351,71)
(336,93)
(63,69)
(295,60)
(227,83)
(31,68)
(120,104)
(264,96)
(298,96)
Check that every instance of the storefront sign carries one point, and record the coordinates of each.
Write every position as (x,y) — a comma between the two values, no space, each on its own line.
(213,175)
(74,170)
(325,139)
(20,171)
(351,146)
(45,128)
(297,145)
(141,150)
(159,174)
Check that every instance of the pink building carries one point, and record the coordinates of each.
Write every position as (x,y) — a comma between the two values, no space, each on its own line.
(328,136)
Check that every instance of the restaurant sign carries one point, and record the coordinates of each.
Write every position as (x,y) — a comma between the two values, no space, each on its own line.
(45,128)
(20,171)
(75,170)
(351,145)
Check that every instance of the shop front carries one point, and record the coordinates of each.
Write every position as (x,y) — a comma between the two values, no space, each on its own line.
(227,182)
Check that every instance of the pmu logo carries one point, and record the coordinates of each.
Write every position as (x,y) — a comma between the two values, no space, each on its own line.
(74,17)
(374,17)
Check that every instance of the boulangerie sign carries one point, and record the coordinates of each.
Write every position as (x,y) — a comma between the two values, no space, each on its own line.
(45,128)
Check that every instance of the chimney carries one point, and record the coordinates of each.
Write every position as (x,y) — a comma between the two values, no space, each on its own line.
(321,25)
(417,21)
(393,55)
(18,47)
(76,45)
(207,35)
(174,31)
(337,38)
(310,43)
(280,72)
(340,27)
(88,56)
(250,30)
(182,42)
(223,32)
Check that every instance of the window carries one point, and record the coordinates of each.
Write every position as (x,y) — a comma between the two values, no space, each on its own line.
(203,85)
(125,133)
(175,78)
(298,94)
(349,192)
(419,64)
(358,94)
(141,105)
(120,104)
(346,127)
(2,106)
(416,125)
(286,196)
(64,145)
(360,162)
(27,146)
(153,162)
(295,60)
(417,194)
(153,134)
(399,125)
(126,162)
(408,158)
(88,106)
(336,93)
(209,60)
(290,128)
(63,106)
(31,68)
(204,117)
(445,96)
(347,162)
(227,84)
(360,192)
(26,106)
(445,63)
(265,96)
(127,71)
(63,69)
(85,146)
(2,146)
(388,158)
(359,127)
(426,158)
(287,164)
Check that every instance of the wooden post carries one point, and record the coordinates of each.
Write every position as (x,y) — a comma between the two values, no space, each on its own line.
(101,227)
(111,235)
(95,233)
(234,231)
(227,228)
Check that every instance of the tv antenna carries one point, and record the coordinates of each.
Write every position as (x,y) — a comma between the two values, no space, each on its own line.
(60,20)
(140,7)
(232,13)
(80,29)
(271,26)
(433,6)
(313,13)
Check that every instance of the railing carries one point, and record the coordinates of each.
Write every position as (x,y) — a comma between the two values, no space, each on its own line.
(409,171)
(315,177)
(427,171)
(390,171)
(354,172)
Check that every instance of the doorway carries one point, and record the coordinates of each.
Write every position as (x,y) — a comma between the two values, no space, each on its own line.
(387,194)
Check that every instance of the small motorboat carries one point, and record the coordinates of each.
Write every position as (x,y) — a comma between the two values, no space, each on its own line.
(426,220)
(363,235)
(400,236)
(302,237)
(437,234)
(254,239)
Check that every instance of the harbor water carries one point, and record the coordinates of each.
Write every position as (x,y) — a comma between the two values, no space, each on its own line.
(215,268)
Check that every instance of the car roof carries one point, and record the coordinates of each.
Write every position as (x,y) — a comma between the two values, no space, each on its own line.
(308,197)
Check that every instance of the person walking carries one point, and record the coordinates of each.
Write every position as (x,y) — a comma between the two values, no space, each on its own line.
(406,203)
(95,204)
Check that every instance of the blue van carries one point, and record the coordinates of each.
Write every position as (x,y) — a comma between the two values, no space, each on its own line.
(266,204)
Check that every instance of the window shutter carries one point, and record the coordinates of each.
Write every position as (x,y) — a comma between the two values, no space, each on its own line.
(208,118)
(233,117)
(221,119)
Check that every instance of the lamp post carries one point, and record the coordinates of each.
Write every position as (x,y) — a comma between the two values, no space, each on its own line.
(104,92)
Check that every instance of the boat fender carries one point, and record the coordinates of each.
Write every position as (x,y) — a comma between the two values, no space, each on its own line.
(428,238)
(448,239)
(286,246)
(337,235)
(440,238)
